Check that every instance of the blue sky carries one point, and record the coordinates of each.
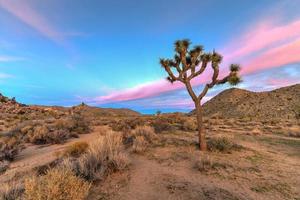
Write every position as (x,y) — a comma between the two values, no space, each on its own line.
(105,53)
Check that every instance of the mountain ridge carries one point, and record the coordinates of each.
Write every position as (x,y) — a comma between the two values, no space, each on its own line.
(240,103)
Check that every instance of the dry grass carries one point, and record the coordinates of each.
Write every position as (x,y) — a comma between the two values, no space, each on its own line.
(105,155)
(189,124)
(147,132)
(9,148)
(76,149)
(11,191)
(139,144)
(206,164)
(56,184)
(140,138)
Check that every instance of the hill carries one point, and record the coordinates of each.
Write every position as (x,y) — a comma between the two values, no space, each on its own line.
(105,112)
(282,103)
(13,112)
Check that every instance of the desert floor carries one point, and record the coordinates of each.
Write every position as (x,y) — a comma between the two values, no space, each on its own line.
(266,167)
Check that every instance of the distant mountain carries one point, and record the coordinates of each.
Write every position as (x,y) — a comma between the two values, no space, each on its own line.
(282,103)
(105,112)
(11,106)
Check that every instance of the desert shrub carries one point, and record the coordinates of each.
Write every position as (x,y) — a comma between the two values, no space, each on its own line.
(140,138)
(76,149)
(147,132)
(162,124)
(125,125)
(11,191)
(79,124)
(44,135)
(104,155)
(39,135)
(139,144)
(189,125)
(58,183)
(9,148)
(75,124)
(222,144)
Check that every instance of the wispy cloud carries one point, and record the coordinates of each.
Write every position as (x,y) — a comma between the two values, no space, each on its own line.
(4,75)
(264,35)
(276,57)
(24,12)
(4,58)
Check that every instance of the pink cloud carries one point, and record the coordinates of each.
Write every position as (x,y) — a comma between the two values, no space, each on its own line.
(147,90)
(141,91)
(23,11)
(276,57)
(263,36)
(277,83)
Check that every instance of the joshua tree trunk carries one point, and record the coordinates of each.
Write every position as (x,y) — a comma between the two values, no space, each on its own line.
(191,63)
(201,132)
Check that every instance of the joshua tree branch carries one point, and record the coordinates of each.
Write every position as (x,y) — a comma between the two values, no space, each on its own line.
(200,71)
(190,90)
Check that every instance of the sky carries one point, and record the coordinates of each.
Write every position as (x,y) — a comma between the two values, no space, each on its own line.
(106,53)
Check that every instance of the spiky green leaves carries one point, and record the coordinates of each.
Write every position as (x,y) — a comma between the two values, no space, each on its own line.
(234,79)
(235,68)
(196,51)
(216,58)
(165,63)
(206,57)
(182,45)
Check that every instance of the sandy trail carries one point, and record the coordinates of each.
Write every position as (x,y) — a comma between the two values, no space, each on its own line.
(38,155)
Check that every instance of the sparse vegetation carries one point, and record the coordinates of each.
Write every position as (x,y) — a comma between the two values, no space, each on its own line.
(206,164)
(282,188)
(222,144)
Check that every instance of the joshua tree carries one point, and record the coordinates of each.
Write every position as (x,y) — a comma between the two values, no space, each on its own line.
(189,64)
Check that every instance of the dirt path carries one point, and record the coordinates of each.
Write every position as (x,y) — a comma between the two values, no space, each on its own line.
(38,155)
(151,180)
(144,181)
